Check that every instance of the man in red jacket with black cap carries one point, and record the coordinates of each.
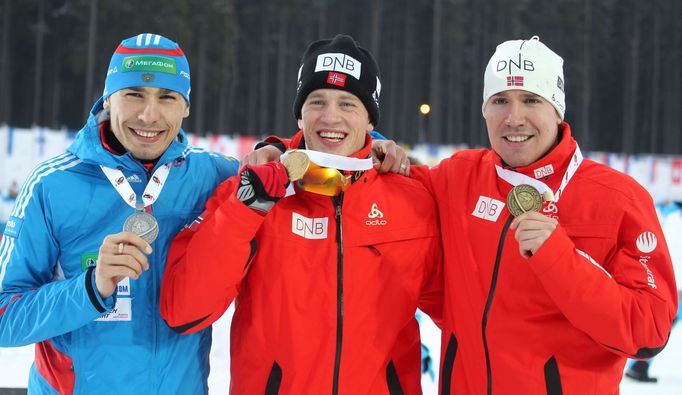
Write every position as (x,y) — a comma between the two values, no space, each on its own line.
(326,279)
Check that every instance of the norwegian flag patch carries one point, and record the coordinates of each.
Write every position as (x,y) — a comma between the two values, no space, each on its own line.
(338,79)
(514,80)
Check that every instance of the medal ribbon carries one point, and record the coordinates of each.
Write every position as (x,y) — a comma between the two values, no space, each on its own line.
(515,178)
(151,191)
(338,162)
(330,161)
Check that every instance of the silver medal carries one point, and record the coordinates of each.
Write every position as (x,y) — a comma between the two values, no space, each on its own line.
(143,225)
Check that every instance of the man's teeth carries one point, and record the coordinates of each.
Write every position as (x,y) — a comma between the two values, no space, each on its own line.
(144,133)
(517,139)
(338,136)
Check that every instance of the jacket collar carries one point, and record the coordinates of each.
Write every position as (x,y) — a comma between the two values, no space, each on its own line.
(551,167)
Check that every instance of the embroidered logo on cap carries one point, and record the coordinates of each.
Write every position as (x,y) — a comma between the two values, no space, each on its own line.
(337,79)
(147,63)
(514,80)
(338,62)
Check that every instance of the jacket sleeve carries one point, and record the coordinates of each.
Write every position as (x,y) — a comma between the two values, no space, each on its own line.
(36,302)
(207,262)
(431,297)
(626,303)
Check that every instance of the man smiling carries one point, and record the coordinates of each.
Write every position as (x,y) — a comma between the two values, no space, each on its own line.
(555,266)
(327,281)
(82,264)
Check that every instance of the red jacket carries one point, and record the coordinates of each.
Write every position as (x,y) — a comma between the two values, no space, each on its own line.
(564,320)
(326,289)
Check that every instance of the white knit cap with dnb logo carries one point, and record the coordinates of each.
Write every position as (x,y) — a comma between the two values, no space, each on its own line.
(526,65)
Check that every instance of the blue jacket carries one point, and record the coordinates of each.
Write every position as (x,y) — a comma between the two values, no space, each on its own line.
(47,289)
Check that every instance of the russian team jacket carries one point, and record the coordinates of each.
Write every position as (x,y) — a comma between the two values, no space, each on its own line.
(86,345)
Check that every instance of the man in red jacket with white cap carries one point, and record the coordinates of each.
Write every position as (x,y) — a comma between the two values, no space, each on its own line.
(556,268)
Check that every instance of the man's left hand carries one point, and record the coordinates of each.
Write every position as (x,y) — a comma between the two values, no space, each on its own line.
(389,157)
(532,230)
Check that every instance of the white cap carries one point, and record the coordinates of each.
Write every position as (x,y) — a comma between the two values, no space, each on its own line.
(526,65)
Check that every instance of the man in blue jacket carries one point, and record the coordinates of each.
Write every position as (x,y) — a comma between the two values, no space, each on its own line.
(84,250)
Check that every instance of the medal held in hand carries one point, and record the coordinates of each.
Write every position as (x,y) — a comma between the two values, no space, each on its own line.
(313,178)
(142,224)
(297,164)
(522,199)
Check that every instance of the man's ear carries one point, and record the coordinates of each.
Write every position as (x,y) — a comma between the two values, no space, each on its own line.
(106,103)
(300,123)
(186,114)
(370,127)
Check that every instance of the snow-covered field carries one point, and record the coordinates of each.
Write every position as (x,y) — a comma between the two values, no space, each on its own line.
(15,362)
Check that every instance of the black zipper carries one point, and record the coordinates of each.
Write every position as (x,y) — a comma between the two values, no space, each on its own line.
(489,302)
(338,202)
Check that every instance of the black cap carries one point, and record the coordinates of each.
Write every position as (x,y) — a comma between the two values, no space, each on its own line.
(339,64)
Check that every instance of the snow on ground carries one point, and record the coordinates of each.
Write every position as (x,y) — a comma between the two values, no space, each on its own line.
(15,363)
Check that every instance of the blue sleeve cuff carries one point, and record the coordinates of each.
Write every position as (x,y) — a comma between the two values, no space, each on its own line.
(102,305)
(377,136)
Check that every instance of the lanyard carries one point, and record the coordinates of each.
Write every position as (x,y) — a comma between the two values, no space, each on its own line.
(515,178)
(151,191)
(338,162)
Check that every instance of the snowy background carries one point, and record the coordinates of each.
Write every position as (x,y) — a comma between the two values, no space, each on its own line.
(15,363)
(21,149)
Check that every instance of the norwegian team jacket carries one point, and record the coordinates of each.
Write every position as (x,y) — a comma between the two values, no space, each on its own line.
(326,288)
(600,289)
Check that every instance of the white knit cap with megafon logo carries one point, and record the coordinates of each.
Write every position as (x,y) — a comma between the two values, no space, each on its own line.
(526,65)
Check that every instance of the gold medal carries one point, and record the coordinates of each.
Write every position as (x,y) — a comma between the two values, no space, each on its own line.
(313,178)
(522,199)
(297,164)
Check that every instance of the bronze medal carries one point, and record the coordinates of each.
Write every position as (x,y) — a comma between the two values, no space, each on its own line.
(297,164)
(522,199)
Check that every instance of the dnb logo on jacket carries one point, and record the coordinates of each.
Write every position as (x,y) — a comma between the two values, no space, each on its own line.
(309,228)
(13,227)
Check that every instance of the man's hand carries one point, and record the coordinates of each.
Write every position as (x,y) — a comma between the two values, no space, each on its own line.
(121,255)
(261,156)
(532,230)
(262,185)
(389,157)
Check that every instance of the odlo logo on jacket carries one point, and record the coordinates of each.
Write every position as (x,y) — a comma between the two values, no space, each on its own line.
(375,216)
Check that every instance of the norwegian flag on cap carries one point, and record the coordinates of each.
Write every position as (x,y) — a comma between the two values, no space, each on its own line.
(338,79)
(514,80)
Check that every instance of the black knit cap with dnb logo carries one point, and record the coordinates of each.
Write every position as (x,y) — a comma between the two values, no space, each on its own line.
(339,64)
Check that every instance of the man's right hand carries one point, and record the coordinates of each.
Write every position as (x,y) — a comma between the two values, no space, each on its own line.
(261,156)
(121,255)
(262,185)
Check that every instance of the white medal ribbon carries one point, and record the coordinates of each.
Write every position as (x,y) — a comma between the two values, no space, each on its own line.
(334,161)
(151,191)
(515,178)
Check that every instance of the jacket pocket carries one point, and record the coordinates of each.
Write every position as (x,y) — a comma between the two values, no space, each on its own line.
(274,380)
(394,387)
(552,378)
(448,364)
